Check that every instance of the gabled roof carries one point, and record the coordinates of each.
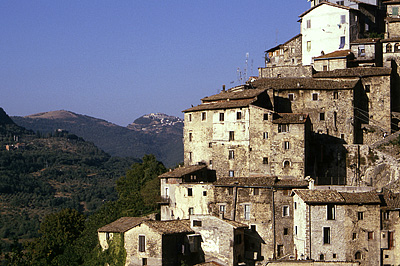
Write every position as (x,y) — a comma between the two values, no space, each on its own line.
(278,46)
(182,171)
(336,54)
(354,72)
(326,3)
(325,196)
(305,83)
(221,105)
(234,95)
(170,227)
(290,118)
(260,181)
(122,224)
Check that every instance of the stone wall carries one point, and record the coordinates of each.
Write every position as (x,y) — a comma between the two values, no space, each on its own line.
(330,64)
(285,71)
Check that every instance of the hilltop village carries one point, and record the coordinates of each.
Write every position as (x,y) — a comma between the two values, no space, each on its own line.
(285,169)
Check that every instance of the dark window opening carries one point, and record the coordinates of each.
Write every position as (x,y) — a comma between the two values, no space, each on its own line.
(231,135)
(190,191)
(321,116)
(265,160)
(360,215)
(285,231)
(265,116)
(221,116)
(315,96)
(203,116)
(327,235)
(142,243)
(239,115)
(144,261)
(330,212)
(197,223)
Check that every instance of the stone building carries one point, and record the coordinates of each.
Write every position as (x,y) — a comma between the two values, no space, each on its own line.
(336,60)
(337,226)
(367,52)
(287,54)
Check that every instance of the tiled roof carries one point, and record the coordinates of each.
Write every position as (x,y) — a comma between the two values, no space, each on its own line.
(354,72)
(122,224)
(394,39)
(235,224)
(210,263)
(221,105)
(335,54)
(260,181)
(305,83)
(391,200)
(234,95)
(366,40)
(290,118)
(326,3)
(183,170)
(170,227)
(319,196)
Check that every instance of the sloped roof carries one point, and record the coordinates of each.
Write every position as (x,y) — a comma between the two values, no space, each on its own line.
(393,39)
(260,181)
(390,2)
(285,43)
(305,83)
(221,105)
(326,3)
(335,54)
(354,72)
(170,227)
(324,196)
(210,263)
(235,224)
(182,171)
(391,200)
(367,40)
(122,224)
(290,118)
(234,95)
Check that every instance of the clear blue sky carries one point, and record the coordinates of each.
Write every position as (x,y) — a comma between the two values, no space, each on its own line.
(118,60)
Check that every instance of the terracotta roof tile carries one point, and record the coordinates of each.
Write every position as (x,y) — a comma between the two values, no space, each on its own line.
(354,72)
(324,196)
(221,105)
(170,227)
(183,170)
(234,95)
(122,224)
(290,118)
(305,83)
(260,181)
(335,54)
(361,197)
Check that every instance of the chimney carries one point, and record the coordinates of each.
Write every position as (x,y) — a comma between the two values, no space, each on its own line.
(223,87)
(311,182)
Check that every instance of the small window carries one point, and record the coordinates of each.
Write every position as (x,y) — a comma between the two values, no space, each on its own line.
(197,223)
(265,135)
(265,160)
(285,231)
(367,88)
(191,211)
(354,236)
(324,68)
(230,190)
(231,135)
(203,116)
(386,215)
(280,252)
(395,11)
(238,115)
(342,136)
(388,48)
(295,229)
(204,193)
(222,208)
(221,116)
(327,235)
(142,243)
(231,173)
(190,156)
(321,116)
(291,97)
(308,23)
(256,191)
(247,212)
(342,19)
(285,211)
(357,256)
(295,205)
(283,128)
(231,155)
(370,235)
(335,95)
(330,210)
(286,145)
(253,227)
(190,117)
(190,136)
(315,96)
(321,257)
(210,144)
(308,46)
(360,216)
(190,191)
(342,42)
(210,162)
(265,116)
(144,261)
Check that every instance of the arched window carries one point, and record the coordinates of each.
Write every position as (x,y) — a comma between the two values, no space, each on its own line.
(357,256)
(397,48)
(286,164)
(388,48)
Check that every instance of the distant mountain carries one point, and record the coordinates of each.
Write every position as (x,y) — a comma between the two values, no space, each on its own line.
(157,134)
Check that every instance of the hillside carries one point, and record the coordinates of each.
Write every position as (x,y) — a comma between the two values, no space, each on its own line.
(40,175)
(156,134)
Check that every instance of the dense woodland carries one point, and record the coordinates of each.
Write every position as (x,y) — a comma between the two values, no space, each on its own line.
(56,190)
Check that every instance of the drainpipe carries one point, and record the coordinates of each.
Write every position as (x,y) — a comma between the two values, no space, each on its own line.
(309,226)
(235,189)
(273,222)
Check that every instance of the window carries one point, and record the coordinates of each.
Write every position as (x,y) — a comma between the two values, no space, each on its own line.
(397,48)
(342,136)
(280,251)
(231,173)
(210,144)
(256,191)
(324,68)
(283,128)
(253,227)
(340,2)
(285,211)
(265,135)
(247,212)
(295,205)
(321,257)
(210,163)
(196,223)
(327,235)
(308,23)
(342,42)
(265,117)
(190,191)
(190,136)
(330,212)
(395,11)
(308,46)
(167,192)
(190,156)
(204,193)
(388,48)
(291,97)
(142,243)
(285,231)
(265,160)
(321,116)
(370,235)
(203,116)
(367,88)
(360,216)
(342,19)
(191,211)
(221,116)
(222,208)
(230,191)
(107,236)
(286,145)
(361,50)
(315,96)
(295,229)
(357,256)
(190,117)
(144,261)
(335,95)
(238,115)
(391,240)
(386,215)
(231,155)
(231,135)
